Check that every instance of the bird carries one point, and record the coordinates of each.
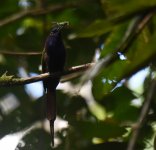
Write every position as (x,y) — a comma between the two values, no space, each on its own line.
(53,60)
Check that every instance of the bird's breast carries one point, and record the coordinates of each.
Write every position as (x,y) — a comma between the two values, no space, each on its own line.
(56,55)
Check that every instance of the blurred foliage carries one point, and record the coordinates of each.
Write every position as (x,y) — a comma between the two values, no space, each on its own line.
(94,25)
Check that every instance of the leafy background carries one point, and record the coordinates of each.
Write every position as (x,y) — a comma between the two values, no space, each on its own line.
(99,113)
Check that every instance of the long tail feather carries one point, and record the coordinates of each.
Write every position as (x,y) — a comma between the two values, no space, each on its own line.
(52,131)
(51,110)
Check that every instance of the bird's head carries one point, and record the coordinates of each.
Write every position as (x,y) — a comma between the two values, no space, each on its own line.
(58,27)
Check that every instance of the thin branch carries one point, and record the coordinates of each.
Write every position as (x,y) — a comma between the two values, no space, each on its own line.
(142,119)
(138,26)
(6,81)
(127,40)
(20,53)
(37,11)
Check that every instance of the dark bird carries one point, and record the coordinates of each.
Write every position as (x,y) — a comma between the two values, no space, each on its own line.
(53,60)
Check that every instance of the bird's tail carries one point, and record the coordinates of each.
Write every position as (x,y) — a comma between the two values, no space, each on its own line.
(51,110)
(52,131)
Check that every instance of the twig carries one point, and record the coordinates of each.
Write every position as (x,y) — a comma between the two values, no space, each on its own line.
(139,25)
(127,40)
(6,81)
(20,53)
(36,12)
(144,112)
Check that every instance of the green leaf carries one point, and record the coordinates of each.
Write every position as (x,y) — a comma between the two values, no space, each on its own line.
(97,28)
(84,50)
(137,58)
(104,130)
(122,7)
(118,103)
(114,39)
(112,145)
(70,108)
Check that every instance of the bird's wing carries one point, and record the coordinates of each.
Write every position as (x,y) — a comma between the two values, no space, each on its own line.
(44,66)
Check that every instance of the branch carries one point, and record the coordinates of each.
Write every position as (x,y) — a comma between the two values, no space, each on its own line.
(6,81)
(135,30)
(21,53)
(127,40)
(142,119)
(37,12)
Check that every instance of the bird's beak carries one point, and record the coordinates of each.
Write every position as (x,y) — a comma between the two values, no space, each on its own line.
(62,25)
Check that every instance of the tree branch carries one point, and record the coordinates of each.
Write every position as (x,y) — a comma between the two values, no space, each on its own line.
(20,53)
(144,112)
(6,81)
(37,11)
(127,40)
